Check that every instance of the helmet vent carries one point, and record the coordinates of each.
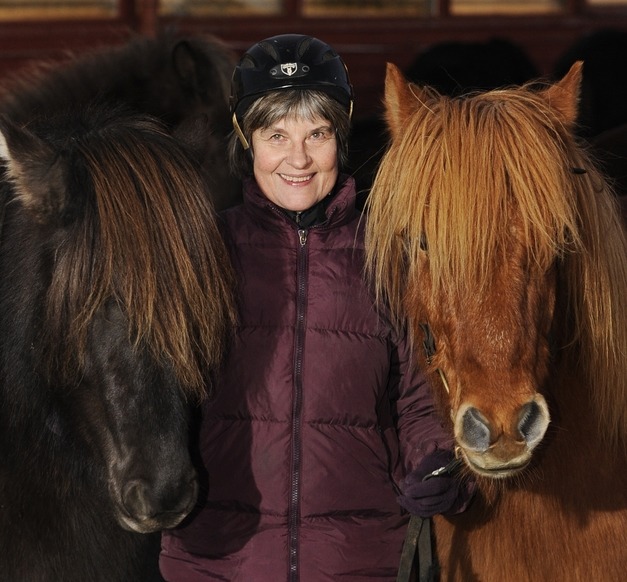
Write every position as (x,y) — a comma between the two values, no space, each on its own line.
(247,62)
(269,48)
(304,46)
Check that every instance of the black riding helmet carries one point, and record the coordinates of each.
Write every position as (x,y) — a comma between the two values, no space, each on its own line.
(287,61)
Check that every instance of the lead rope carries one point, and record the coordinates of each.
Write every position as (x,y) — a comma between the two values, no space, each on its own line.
(418,534)
(418,543)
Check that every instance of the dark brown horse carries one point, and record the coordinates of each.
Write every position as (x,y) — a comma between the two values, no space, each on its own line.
(490,226)
(115,303)
(182,80)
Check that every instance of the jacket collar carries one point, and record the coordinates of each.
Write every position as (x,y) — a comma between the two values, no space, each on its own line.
(335,209)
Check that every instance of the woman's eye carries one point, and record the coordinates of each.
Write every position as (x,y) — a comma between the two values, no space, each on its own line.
(320,135)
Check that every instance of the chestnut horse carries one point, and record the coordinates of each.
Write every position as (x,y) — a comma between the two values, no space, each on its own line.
(491,230)
(115,304)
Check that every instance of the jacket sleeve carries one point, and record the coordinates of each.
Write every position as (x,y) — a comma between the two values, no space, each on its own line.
(423,430)
(420,426)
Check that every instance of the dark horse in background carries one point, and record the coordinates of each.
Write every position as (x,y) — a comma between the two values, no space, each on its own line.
(453,68)
(115,304)
(183,81)
(602,115)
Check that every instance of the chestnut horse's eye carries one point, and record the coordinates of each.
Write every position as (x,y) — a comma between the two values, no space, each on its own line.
(423,242)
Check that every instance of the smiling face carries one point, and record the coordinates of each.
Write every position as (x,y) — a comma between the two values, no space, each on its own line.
(295,161)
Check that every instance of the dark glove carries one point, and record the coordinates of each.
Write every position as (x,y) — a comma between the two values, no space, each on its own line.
(441,492)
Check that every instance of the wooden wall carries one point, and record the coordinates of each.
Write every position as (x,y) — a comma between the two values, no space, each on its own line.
(365,44)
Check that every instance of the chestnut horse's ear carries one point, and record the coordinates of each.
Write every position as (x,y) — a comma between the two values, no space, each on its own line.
(563,96)
(399,99)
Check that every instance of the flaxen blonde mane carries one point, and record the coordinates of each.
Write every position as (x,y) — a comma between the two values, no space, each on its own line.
(452,179)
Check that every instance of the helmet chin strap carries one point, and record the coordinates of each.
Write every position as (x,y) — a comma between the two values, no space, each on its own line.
(240,133)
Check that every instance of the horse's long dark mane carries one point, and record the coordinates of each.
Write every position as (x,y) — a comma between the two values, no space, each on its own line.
(140,229)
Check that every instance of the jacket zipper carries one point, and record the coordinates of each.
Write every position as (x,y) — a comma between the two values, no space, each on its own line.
(294,506)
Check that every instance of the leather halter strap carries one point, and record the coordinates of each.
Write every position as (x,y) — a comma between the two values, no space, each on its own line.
(428,344)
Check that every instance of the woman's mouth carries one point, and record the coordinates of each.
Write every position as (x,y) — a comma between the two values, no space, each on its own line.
(296,179)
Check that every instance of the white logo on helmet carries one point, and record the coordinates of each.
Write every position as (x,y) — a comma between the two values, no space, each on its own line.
(289,68)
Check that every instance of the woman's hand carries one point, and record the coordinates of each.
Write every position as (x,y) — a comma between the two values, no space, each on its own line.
(433,487)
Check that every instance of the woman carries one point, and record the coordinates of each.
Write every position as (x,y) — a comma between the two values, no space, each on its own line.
(319,413)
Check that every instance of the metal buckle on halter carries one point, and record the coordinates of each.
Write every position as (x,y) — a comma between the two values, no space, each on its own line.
(448,469)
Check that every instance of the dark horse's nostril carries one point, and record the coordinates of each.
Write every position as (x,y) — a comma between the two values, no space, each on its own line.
(135,498)
(143,501)
(475,430)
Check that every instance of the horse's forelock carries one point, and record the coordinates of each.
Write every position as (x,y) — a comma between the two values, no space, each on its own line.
(150,241)
(436,175)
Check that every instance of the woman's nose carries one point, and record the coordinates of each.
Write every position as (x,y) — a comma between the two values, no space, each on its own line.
(298,156)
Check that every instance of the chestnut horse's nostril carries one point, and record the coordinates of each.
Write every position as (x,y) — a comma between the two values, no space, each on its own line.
(475,430)
(533,421)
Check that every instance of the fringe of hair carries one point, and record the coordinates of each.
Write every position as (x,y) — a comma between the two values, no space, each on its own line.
(150,241)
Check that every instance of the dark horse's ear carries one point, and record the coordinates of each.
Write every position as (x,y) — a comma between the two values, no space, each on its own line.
(36,172)
(563,96)
(185,64)
(401,98)
(194,69)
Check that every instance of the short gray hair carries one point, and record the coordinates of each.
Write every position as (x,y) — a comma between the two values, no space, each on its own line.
(288,103)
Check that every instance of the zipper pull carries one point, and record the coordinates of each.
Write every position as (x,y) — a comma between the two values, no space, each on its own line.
(302,236)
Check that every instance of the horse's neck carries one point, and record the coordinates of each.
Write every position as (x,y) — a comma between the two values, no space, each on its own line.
(575,448)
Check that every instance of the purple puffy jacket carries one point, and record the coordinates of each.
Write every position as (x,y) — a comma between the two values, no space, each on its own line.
(317,419)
